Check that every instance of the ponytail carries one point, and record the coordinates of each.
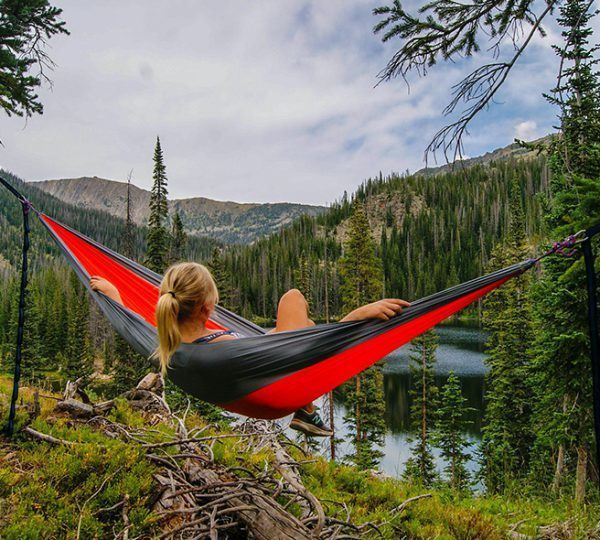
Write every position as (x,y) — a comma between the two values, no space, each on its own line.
(169,337)
(184,290)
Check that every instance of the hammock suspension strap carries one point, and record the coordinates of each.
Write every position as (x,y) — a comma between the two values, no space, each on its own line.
(26,206)
(565,247)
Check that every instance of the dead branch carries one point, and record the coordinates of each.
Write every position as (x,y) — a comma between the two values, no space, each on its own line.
(90,498)
(124,514)
(286,466)
(47,438)
(400,508)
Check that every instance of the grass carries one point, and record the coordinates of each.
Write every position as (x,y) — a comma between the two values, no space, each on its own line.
(49,491)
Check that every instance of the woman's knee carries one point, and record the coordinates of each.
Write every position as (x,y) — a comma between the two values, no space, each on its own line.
(293,295)
(292,312)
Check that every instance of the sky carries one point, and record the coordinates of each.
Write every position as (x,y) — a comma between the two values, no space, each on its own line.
(254,101)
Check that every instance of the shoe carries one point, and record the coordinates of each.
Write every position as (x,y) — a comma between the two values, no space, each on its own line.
(310,423)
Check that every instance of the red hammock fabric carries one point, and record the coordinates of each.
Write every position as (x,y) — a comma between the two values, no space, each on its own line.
(138,294)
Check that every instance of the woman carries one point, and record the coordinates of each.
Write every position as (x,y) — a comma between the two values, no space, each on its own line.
(188,295)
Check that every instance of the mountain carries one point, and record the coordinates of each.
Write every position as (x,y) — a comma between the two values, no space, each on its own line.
(432,231)
(226,221)
(512,151)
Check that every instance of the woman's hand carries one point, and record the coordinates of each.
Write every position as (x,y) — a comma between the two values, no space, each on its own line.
(383,309)
(104,286)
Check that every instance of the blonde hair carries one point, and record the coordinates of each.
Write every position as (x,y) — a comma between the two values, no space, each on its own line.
(184,290)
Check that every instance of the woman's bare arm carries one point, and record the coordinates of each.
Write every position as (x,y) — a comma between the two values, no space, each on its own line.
(383,309)
(104,286)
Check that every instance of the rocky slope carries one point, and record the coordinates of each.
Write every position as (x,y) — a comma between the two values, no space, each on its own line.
(225,221)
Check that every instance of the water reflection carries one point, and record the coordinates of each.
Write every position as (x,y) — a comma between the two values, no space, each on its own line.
(460,350)
(397,398)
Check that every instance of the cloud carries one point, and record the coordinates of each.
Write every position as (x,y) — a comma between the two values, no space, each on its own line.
(527,130)
(260,101)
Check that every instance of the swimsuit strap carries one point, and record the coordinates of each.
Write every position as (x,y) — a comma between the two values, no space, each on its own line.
(210,337)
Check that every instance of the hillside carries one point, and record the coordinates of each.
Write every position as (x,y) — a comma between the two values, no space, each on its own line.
(131,468)
(99,225)
(225,221)
(432,232)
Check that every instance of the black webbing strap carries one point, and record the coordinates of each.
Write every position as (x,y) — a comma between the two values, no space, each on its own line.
(26,206)
(588,255)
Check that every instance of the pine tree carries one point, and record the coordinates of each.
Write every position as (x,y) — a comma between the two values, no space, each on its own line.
(127,366)
(507,435)
(302,277)
(178,240)
(365,417)
(420,466)
(577,93)
(56,318)
(8,293)
(361,273)
(223,279)
(158,238)
(563,419)
(78,360)
(32,361)
(449,436)
(26,27)
(360,268)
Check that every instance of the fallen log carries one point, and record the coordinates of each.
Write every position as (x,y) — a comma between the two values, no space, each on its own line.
(263,517)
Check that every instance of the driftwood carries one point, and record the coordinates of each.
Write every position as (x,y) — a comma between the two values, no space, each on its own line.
(199,498)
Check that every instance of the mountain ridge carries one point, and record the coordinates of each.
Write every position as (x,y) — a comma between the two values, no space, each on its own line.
(226,221)
(502,153)
(230,222)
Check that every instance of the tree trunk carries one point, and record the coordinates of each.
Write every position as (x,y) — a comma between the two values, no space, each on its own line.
(266,521)
(560,460)
(560,465)
(332,425)
(581,474)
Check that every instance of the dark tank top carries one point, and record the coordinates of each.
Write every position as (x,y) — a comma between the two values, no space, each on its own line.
(210,337)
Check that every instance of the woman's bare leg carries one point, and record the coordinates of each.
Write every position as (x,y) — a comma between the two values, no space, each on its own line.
(292,314)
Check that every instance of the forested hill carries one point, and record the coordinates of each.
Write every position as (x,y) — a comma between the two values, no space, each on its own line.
(226,221)
(99,225)
(432,232)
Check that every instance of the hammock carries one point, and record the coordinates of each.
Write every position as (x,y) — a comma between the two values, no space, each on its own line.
(259,375)
(269,375)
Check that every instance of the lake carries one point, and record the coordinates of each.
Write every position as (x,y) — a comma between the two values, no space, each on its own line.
(460,349)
